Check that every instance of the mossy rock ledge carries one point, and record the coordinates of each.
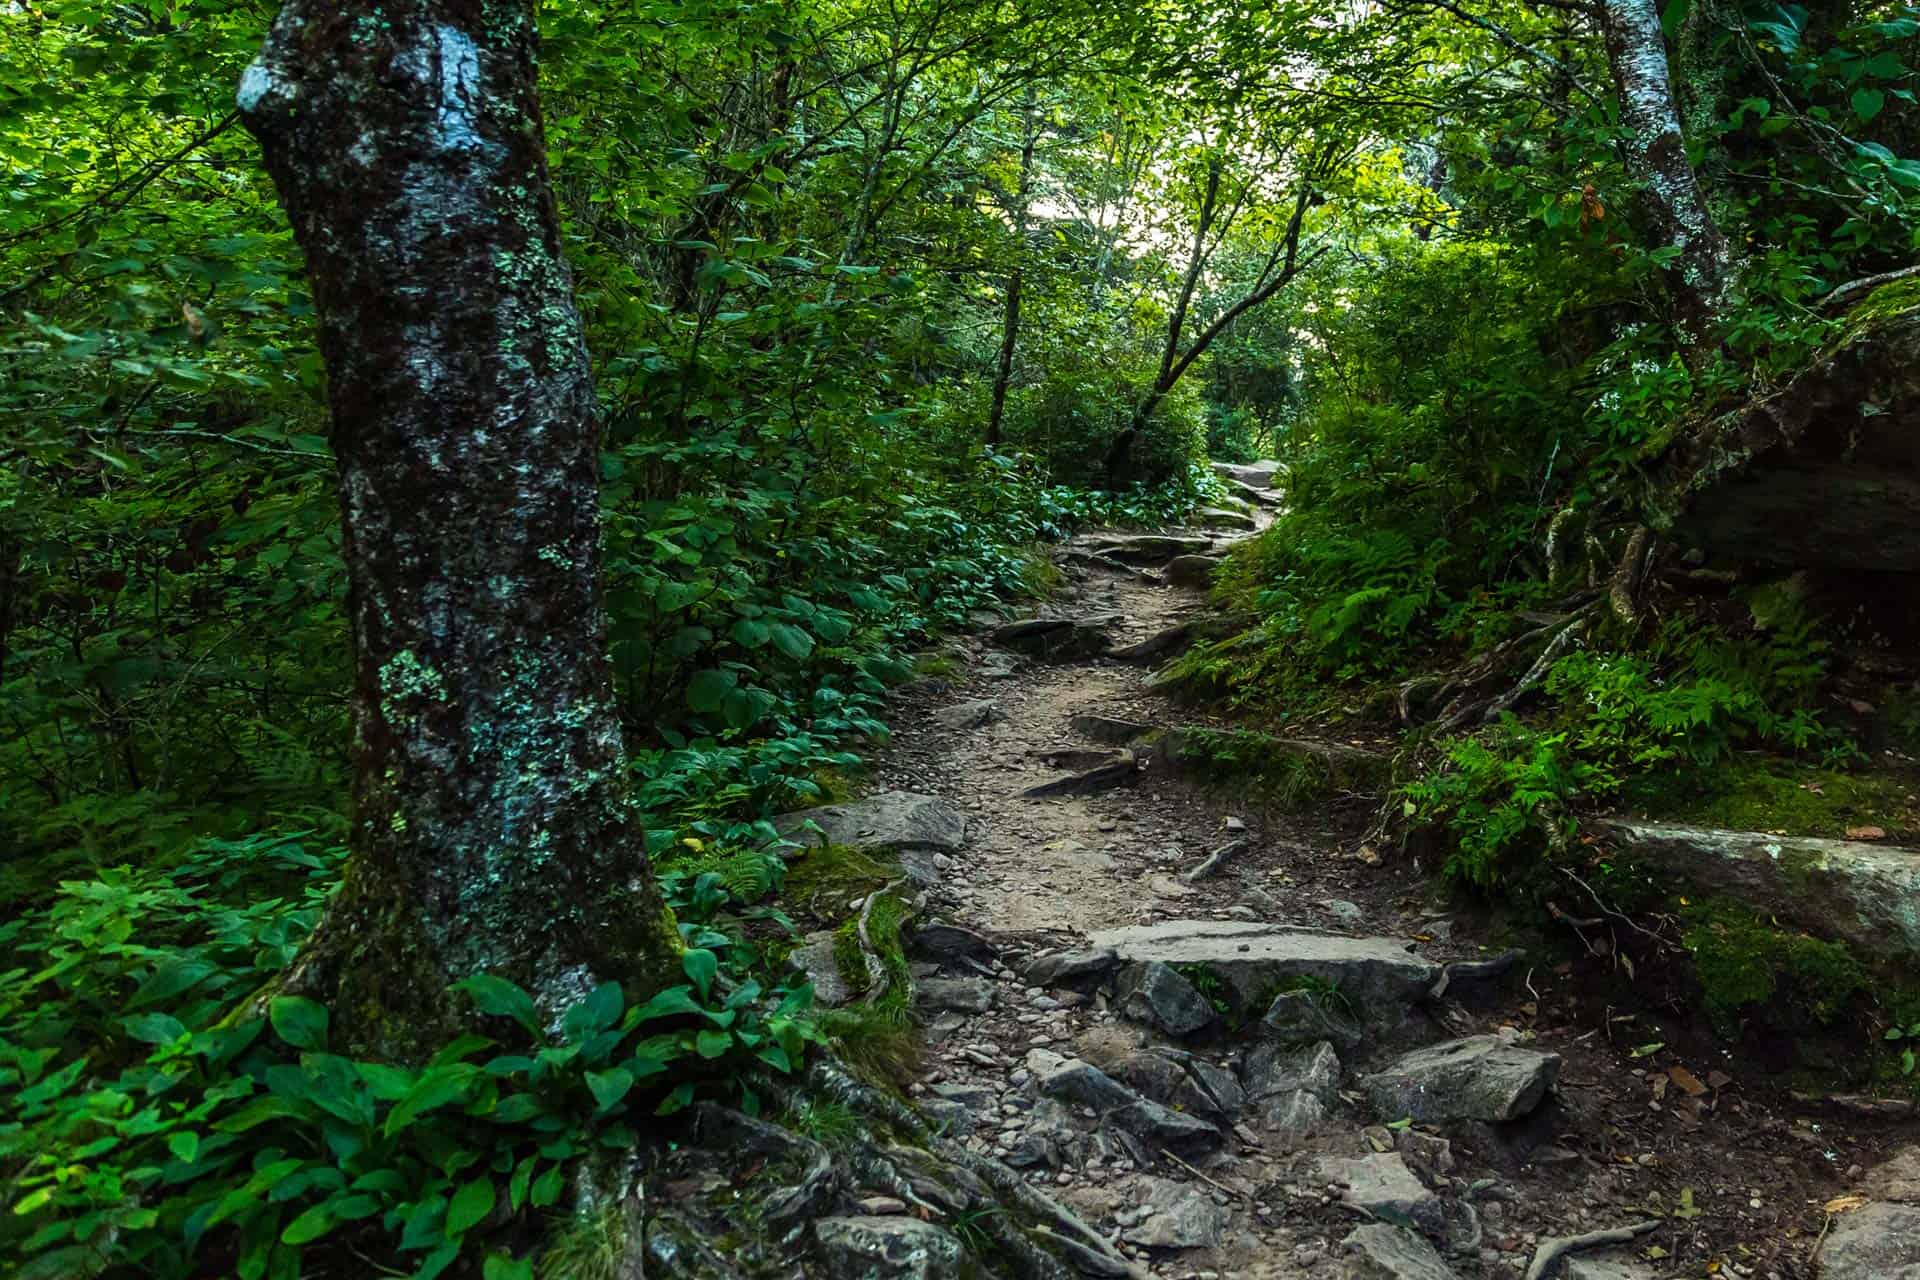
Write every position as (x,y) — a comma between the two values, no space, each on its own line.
(1863,895)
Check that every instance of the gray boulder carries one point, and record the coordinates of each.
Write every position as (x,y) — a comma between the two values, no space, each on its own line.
(1479,1078)
(1377,976)
(1158,997)
(1194,570)
(1379,1251)
(1084,968)
(912,825)
(1184,1082)
(887,1248)
(1178,1216)
(1877,1242)
(1255,475)
(1078,1082)
(1384,1187)
(1150,1125)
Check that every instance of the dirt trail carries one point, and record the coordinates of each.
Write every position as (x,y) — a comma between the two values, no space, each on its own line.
(1731,1174)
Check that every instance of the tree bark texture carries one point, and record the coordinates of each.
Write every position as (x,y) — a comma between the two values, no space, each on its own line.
(1657,155)
(492,829)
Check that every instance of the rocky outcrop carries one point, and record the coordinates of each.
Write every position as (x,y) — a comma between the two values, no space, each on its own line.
(1479,1078)
(1874,1242)
(1823,473)
(1866,895)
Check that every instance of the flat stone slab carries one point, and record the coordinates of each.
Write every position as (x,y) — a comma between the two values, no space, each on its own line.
(1193,570)
(1478,1078)
(975,714)
(1377,977)
(904,822)
(1877,1242)
(1867,895)
(1600,1266)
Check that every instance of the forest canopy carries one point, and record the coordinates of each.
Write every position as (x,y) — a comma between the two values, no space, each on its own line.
(861,307)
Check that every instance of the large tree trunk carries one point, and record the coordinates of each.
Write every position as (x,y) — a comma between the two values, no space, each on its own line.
(492,829)
(1657,154)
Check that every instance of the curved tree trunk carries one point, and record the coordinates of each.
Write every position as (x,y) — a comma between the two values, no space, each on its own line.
(491,824)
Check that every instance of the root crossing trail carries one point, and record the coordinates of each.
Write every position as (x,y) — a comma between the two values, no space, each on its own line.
(1306,1062)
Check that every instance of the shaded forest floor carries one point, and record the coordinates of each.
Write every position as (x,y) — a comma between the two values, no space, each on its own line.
(1653,1120)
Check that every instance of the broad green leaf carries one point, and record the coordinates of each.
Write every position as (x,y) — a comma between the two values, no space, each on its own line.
(300,1022)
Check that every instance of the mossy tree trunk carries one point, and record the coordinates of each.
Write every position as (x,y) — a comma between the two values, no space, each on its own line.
(492,829)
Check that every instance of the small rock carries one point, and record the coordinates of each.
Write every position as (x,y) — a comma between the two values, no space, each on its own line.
(1154,994)
(1178,1216)
(1195,570)
(1272,1069)
(1604,1267)
(1897,1177)
(963,995)
(1347,913)
(1075,969)
(814,957)
(1478,1078)
(1301,1017)
(975,714)
(1379,1251)
(950,944)
(881,1206)
(1385,1188)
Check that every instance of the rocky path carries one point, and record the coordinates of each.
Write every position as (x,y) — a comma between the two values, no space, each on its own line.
(1243,1044)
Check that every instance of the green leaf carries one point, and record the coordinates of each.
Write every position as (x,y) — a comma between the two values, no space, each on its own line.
(496,996)
(154,1028)
(700,966)
(708,688)
(436,1087)
(301,1023)
(310,1225)
(502,1267)
(713,1044)
(750,632)
(791,640)
(1867,103)
(600,1010)
(609,1086)
(470,1205)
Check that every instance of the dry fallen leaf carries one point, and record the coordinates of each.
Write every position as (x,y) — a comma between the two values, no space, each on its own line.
(1866,833)
(1718,1079)
(1688,1082)
(1844,1204)
(1368,855)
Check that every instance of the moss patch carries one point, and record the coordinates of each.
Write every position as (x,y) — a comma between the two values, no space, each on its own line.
(1741,962)
(1771,795)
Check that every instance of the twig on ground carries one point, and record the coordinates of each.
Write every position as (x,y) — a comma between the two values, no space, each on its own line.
(1552,1251)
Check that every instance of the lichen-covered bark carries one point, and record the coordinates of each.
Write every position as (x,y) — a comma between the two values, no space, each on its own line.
(492,829)
(1657,153)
